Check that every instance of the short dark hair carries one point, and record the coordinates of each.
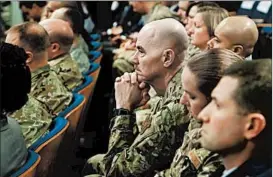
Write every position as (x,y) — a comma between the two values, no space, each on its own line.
(32,36)
(254,93)
(15,78)
(209,66)
(201,4)
(29,4)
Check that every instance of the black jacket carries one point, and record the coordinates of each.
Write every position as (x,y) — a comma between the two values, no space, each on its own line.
(252,168)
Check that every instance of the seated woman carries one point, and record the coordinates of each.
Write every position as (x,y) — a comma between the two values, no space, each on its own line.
(189,25)
(200,76)
(204,23)
(15,84)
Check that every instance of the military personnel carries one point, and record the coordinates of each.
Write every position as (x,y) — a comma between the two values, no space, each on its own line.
(192,10)
(205,21)
(238,34)
(123,61)
(45,85)
(61,39)
(161,47)
(54,5)
(33,119)
(152,11)
(237,123)
(83,45)
(199,77)
(190,14)
(74,18)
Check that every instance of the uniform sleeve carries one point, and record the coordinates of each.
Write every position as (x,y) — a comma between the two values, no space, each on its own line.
(69,73)
(200,163)
(81,58)
(212,165)
(33,119)
(52,94)
(152,149)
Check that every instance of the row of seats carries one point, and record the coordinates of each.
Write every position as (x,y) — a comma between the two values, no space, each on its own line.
(65,130)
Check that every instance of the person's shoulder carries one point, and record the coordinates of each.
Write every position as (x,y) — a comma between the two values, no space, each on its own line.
(253,167)
(68,62)
(174,89)
(52,80)
(32,110)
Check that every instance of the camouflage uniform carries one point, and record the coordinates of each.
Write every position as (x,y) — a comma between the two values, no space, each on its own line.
(80,57)
(49,90)
(33,119)
(191,159)
(141,152)
(67,71)
(191,51)
(83,45)
(123,63)
(144,111)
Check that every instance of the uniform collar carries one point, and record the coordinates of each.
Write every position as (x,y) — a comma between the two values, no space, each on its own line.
(58,59)
(40,70)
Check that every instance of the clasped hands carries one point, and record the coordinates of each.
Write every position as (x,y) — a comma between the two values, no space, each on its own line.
(129,92)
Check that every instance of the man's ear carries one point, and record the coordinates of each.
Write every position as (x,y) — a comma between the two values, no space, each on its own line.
(55,47)
(168,57)
(238,49)
(255,124)
(29,57)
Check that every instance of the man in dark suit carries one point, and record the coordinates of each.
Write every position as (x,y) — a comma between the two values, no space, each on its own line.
(237,123)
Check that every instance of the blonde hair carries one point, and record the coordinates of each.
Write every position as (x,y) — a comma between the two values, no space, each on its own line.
(212,16)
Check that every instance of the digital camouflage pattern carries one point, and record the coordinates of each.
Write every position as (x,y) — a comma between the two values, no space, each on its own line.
(80,57)
(49,90)
(134,152)
(143,111)
(67,71)
(33,119)
(83,45)
(123,61)
(191,159)
(191,51)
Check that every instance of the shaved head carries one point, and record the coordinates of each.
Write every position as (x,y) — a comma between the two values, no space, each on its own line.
(161,48)
(59,32)
(166,33)
(238,30)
